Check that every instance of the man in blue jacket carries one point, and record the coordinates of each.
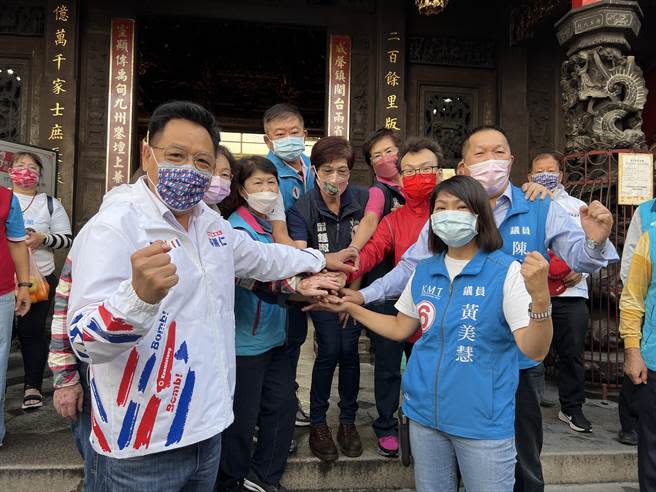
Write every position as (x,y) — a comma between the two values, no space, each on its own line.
(525,226)
(285,134)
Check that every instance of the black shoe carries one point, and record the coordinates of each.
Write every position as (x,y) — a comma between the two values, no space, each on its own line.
(349,440)
(630,438)
(302,418)
(576,421)
(254,484)
(234,487)
(293,446)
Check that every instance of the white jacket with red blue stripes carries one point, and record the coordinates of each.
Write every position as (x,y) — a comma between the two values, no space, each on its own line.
(162,376)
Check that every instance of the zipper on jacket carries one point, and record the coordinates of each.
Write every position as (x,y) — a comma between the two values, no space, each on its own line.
(256,321)
(437,371)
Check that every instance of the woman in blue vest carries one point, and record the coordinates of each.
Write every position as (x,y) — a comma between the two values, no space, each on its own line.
(264,390)
(475,305)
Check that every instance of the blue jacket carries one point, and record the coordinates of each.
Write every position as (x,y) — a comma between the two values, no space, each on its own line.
(463,373)
(647,212)
(523,231)
(259,326)
(291,185)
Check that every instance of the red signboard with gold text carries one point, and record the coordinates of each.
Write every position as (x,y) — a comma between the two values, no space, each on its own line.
(120,104)
(339,73)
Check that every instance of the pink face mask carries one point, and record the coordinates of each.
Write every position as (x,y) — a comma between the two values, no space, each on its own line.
(385,166)
(492,174)
(217,192)
(24,178)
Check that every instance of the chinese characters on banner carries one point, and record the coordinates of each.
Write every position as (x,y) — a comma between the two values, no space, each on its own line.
(393,73)
(339,71)
(59,100)
(119,104)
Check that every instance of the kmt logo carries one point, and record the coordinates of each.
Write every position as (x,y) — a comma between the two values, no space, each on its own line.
(431,291)
(217,239)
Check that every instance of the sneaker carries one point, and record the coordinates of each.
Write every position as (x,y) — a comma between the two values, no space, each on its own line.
(322,444)
(254,484)
(302,418)
(293,446)
(234,487)
(630,438)
(576,421)
(388,446)
(349,440)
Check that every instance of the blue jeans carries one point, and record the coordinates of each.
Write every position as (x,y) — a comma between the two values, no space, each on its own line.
(335,345)
(190,468)
(7,304)
(485,465)
(81,429)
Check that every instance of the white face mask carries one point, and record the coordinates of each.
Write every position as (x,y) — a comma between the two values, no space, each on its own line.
(263,202)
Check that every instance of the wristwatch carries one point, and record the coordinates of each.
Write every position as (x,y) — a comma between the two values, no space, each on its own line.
(25,284)
(541,315)
(592,244)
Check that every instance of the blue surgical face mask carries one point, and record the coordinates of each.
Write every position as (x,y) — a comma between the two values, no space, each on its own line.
(455,227)
(548,180)
(288,148)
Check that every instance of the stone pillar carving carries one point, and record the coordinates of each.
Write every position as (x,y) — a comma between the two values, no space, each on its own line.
(603,89)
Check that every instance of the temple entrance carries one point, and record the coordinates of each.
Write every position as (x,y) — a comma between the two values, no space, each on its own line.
(444,103)
(235,69)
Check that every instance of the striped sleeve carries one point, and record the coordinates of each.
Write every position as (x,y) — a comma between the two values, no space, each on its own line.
(61,359)
(59,235)
(58,241)
(632,302)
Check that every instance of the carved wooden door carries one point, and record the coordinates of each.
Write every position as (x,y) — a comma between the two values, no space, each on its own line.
(444,103)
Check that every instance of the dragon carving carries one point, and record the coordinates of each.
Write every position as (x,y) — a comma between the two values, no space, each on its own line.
(603,96)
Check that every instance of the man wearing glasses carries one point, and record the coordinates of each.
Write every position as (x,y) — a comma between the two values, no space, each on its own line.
(152,311)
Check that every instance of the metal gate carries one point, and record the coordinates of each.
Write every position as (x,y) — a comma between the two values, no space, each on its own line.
(593,176)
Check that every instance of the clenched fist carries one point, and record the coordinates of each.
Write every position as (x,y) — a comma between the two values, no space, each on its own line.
(535,271)
(153,273)
(596,221)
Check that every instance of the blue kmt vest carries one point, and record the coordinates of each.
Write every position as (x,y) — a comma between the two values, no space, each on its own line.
(291,185)
(647,212)
(523,231)
(259,326)
(463,373)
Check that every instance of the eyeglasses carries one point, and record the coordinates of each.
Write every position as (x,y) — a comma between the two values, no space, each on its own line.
(177,155)
(342,172)
(423,170)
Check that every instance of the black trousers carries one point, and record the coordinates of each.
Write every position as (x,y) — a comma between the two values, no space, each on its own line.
(297,328)
(528,430)
(629,404)
(35,339)
(570,323)
(387,376)
(264,396)
(647,435)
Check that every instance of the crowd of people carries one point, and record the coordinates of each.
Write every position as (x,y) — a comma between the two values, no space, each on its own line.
(183,303)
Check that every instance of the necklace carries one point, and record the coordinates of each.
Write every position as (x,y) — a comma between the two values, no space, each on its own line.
(29,204)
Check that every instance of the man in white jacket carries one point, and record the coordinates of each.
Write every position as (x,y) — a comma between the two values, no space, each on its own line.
(151,311)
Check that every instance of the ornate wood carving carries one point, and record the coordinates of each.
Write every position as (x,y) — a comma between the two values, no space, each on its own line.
(451,51)
(24,17)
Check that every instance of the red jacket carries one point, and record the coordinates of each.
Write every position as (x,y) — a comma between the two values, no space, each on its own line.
(395,233)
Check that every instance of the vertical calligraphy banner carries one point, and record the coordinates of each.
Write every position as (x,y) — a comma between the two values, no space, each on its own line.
(120,103)
(390,112)
(339,86)
(59,94)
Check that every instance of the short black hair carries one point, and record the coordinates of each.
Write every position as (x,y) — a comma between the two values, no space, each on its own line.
(225,152)
(182,110)
(329,149)
(473,194)
(555,155)
(479,129)
(376,136)
(31,155)
(244,169)
(417,144)
(281,111)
